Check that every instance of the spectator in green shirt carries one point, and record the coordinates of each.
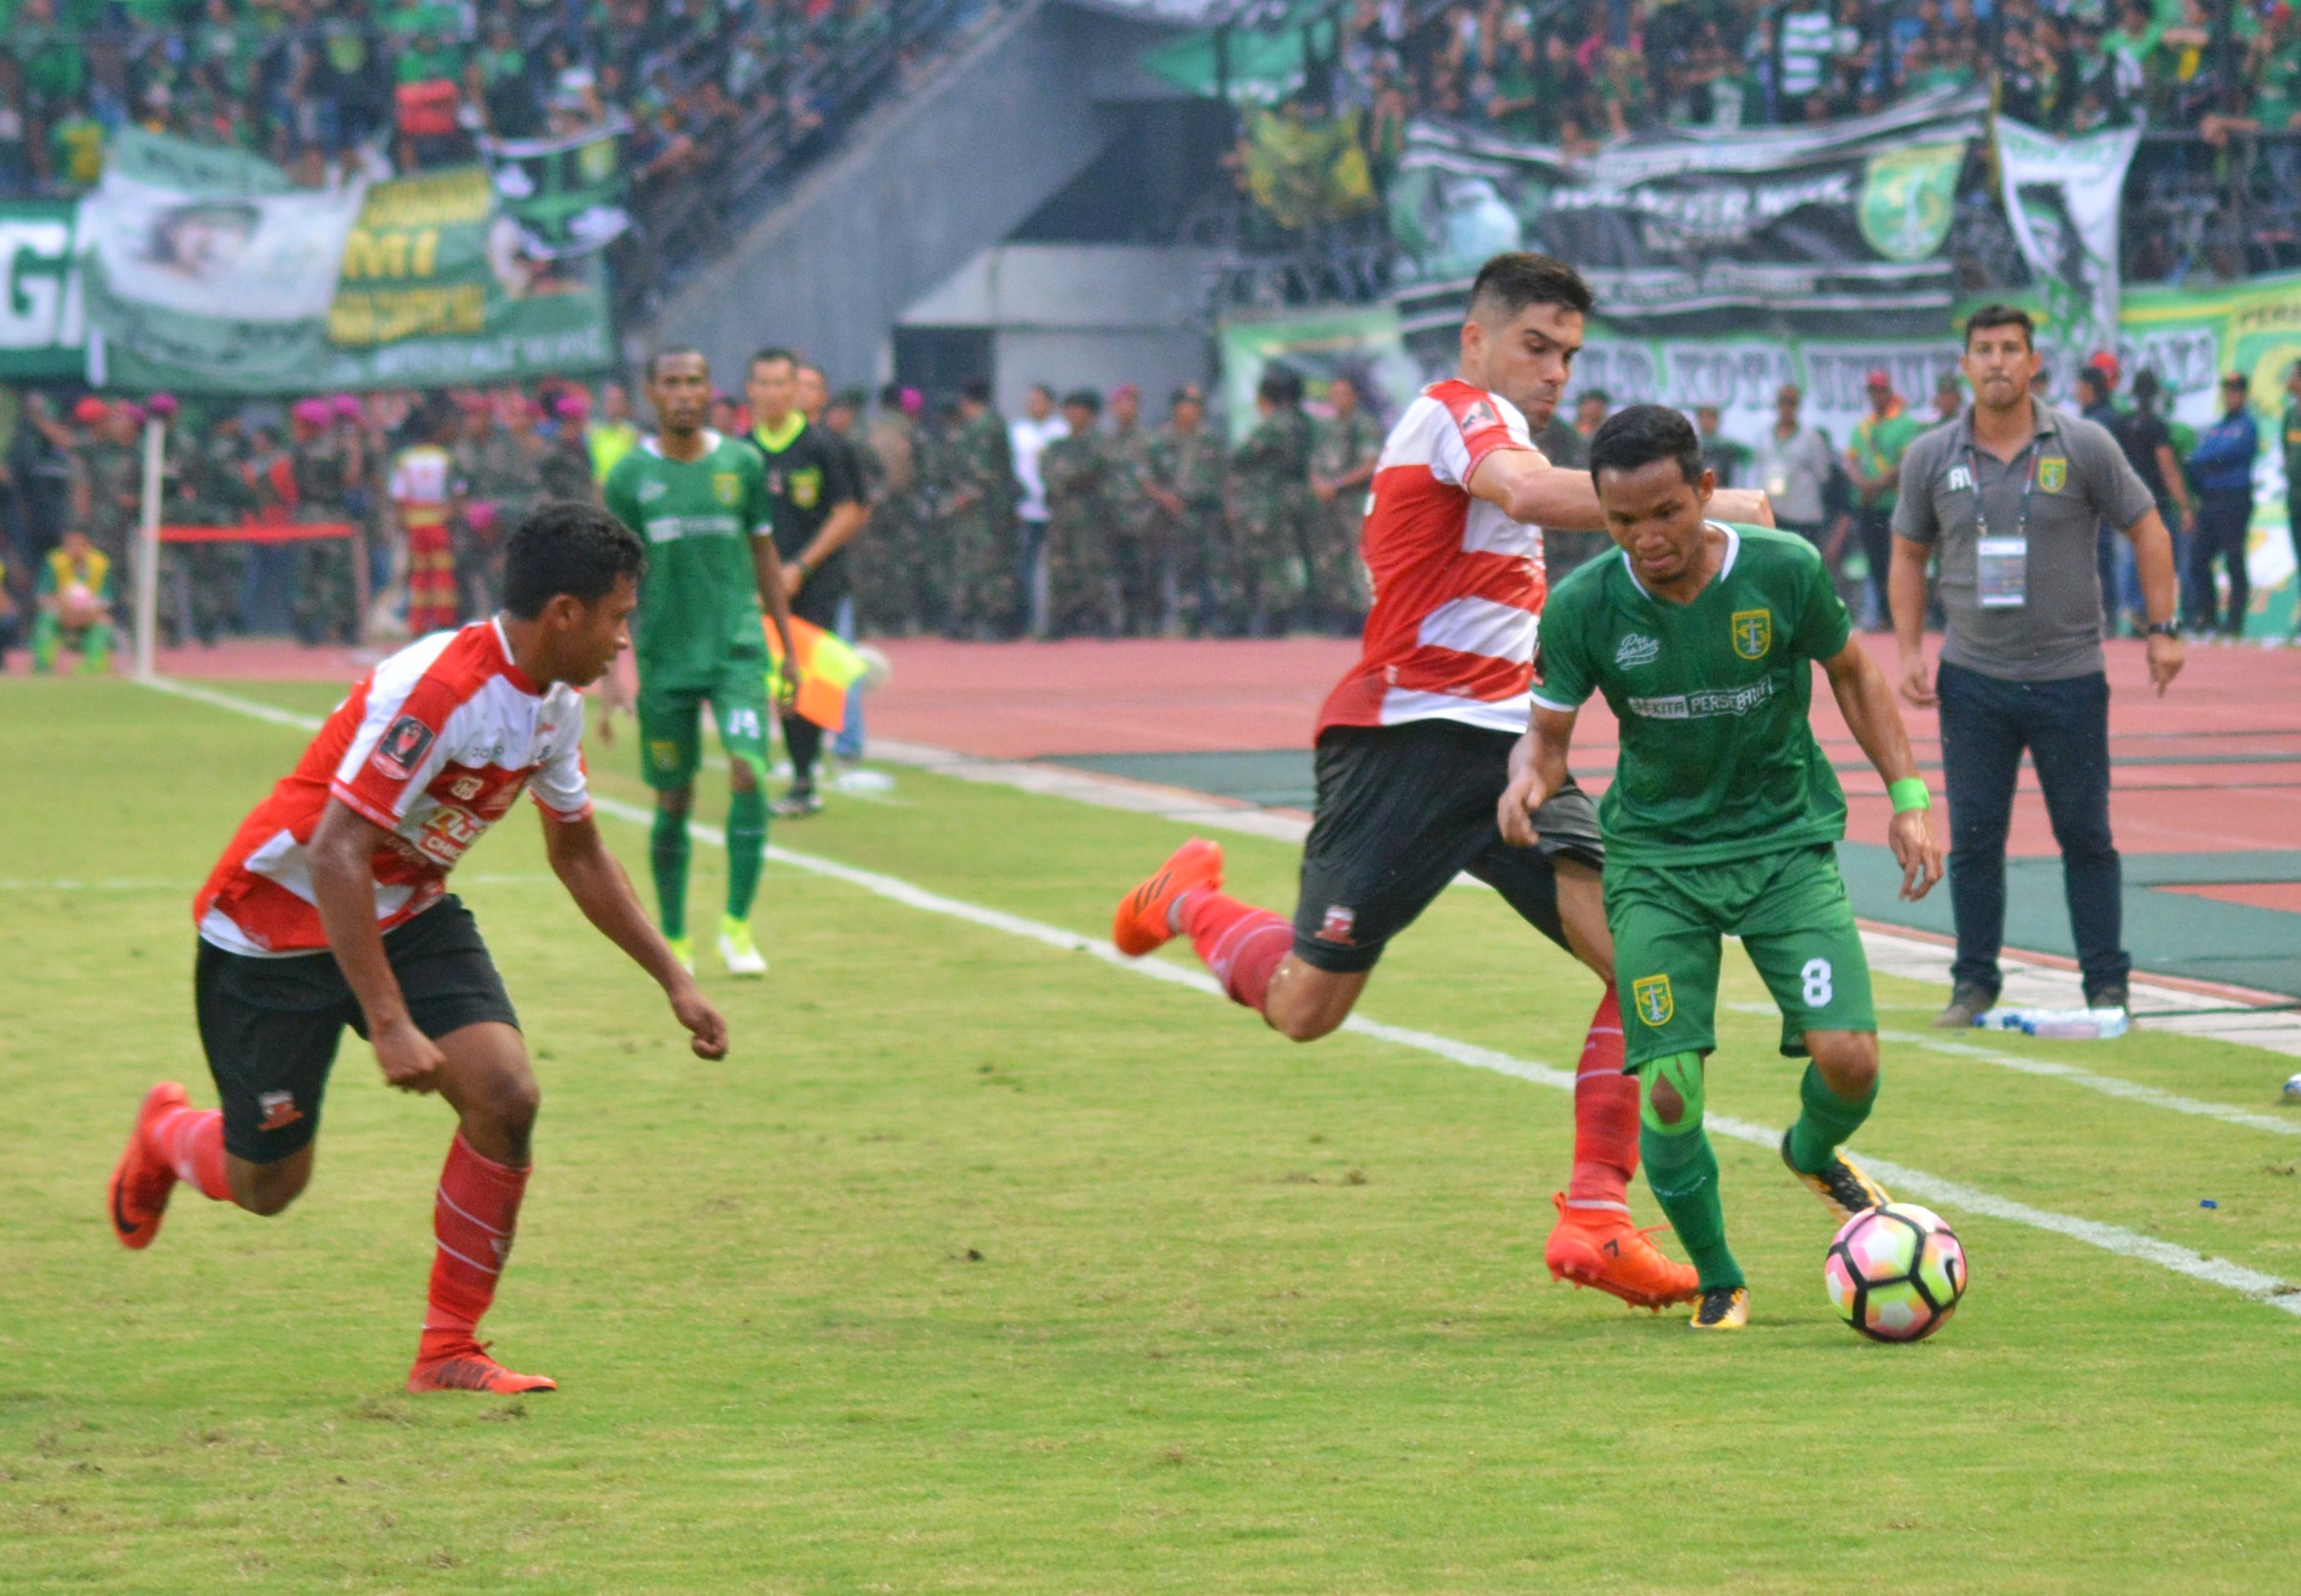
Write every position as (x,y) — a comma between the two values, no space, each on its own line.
(1880,440)
(75,147)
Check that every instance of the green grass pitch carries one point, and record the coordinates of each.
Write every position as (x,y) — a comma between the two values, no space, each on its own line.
(981,1266)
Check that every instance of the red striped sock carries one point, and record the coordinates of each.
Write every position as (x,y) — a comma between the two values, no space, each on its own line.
(190,1140)
(1605,1115)
(1243,946)
(473,1216)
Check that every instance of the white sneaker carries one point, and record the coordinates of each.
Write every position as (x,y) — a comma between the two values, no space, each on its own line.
(738,951)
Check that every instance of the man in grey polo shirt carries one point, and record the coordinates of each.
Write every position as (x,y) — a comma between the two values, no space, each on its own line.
(2008,495)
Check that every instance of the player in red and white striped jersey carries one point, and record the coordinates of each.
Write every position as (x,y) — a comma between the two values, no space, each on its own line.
(330,909)
(1414,747)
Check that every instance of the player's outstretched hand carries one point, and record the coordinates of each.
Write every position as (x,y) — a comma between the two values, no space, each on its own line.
(409,1060)
(706,1026)
(1914,850)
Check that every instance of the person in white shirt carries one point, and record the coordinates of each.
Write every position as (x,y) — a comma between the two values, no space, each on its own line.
(1028,436)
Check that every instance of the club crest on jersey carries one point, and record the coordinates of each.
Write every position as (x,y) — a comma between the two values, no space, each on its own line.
(1753,633)
(726,488)
(806,488)
(2053,473)
(1636,649)
(402,747)
(1651,995)
(1338,925)
(280,1110)
(466,788)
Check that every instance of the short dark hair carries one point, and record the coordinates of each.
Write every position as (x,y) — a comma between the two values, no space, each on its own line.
(1590,394)
(2001,316)
(567,546)
(2146,387)
(771,353)
(1511,282)
(2088,377)
(1639,435)
(1281,385)
(655,360)
(976,388)
(1086,399)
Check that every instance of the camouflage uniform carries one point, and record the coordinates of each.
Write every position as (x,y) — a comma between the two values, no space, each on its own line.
(892,594)
(114,474)
(1082,572)
(1138,558)
(564,471)
(326,599)
(1272,514)
(977,520)
(505,470)
(201,582)
(1338,578)
(1189,467)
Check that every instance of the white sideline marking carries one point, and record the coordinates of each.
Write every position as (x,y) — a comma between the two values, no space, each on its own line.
(1931,1188)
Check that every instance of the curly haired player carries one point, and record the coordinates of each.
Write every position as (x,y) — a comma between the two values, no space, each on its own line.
(1413,750)
(330,909)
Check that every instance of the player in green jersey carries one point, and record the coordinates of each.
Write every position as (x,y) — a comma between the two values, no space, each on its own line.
(700,499)
(1724,814)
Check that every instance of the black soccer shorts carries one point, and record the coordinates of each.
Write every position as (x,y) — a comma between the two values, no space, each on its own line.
(270,1026)
(1402,810)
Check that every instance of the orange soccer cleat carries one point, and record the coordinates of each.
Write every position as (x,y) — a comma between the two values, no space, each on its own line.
(142,1180)
(1140,923)
(1601,1248)
(468,1368)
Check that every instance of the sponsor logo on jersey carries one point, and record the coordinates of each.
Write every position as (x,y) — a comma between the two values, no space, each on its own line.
(1961,480)
(806,486)
(1338,925)
(280,1110)
(1477,417)
(654,487)
(1703,704)
(402,747)
(1636,649)
(727,487)
(1753,633)
(1651,996)
(2053,473)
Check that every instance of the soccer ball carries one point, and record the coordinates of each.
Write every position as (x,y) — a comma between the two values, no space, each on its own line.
(1896,1273)
(79,606)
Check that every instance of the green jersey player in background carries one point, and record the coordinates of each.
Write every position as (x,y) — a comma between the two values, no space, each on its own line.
(700,499)
(1724,814)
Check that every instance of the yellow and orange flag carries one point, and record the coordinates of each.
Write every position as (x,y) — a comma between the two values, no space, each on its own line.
(827,668)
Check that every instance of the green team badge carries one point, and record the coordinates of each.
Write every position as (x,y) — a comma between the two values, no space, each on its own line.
(806,486)
(1651,995)
(1753,633)
(2053,471)
(728,488)
(1906,199)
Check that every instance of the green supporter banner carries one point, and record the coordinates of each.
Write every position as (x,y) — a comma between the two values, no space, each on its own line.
(206,272)
(43,324)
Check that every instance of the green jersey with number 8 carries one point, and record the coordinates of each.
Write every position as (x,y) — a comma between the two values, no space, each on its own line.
(699,605)
(1717,759)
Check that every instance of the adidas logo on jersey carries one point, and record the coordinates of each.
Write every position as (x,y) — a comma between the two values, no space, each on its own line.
(1636,649)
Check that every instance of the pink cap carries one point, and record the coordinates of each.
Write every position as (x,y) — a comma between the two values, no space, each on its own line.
(346,407)
(1879,377)
(162,405)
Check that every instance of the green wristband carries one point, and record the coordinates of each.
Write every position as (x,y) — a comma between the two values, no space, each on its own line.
(1909,793)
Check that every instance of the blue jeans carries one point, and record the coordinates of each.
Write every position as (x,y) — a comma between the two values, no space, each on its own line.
(850,742)
(2064,725)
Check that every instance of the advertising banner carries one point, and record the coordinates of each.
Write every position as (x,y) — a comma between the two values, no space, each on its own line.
(43,323)
(1839,227)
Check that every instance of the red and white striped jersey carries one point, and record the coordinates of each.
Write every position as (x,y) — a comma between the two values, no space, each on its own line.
(435,744)
(1458,585)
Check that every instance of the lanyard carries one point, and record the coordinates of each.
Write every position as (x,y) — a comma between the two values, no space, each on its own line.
(2029,485)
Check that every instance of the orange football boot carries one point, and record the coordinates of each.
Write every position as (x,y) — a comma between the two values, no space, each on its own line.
(1141,925)
(1600,1247)
(142,1180)
(468,1368)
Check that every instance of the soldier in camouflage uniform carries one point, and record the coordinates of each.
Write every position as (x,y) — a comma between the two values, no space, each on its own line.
(1137,558)
(564,471)
(1341,470)
(1271,510)
(978,505)
(113,465)
(1082,573)
(202,580)
(326,460)
(1183,480)
(502,460)
(889,445)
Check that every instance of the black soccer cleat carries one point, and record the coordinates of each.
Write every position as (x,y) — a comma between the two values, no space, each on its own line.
(1843,1189)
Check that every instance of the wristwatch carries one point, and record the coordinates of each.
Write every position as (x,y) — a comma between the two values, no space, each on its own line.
(2162,629)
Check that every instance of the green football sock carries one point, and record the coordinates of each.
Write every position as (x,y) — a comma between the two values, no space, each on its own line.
(667,856)
(1682,1170)
(95,650)
(1826,1122)
(746,850)
(45,635)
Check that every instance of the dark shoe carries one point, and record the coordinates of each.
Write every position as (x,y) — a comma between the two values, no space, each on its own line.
(2109,997)
(796,803)
(1967,1004)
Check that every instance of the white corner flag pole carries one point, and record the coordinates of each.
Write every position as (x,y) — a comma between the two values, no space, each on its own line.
(147,546)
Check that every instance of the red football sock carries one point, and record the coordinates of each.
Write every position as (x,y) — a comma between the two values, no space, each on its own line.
(190,1140)
(1605,1116)
(473,1216)
(1243,946)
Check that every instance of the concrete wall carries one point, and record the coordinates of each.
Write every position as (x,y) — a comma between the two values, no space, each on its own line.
(1080,316)
(918,192)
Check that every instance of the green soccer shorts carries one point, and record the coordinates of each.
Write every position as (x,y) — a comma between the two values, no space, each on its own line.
(1790,912)
(670,724)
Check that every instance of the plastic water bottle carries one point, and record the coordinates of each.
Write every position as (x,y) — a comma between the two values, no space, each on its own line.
(2057,1024)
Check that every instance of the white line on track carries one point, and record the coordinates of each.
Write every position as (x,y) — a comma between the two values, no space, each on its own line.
(1914,1183)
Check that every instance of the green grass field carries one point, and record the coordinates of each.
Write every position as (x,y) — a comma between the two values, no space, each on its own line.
(985,1266)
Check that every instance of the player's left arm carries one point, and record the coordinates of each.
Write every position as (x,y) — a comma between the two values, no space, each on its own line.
(1537,769)
(595,880)
(1866,699)
(1528,488)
